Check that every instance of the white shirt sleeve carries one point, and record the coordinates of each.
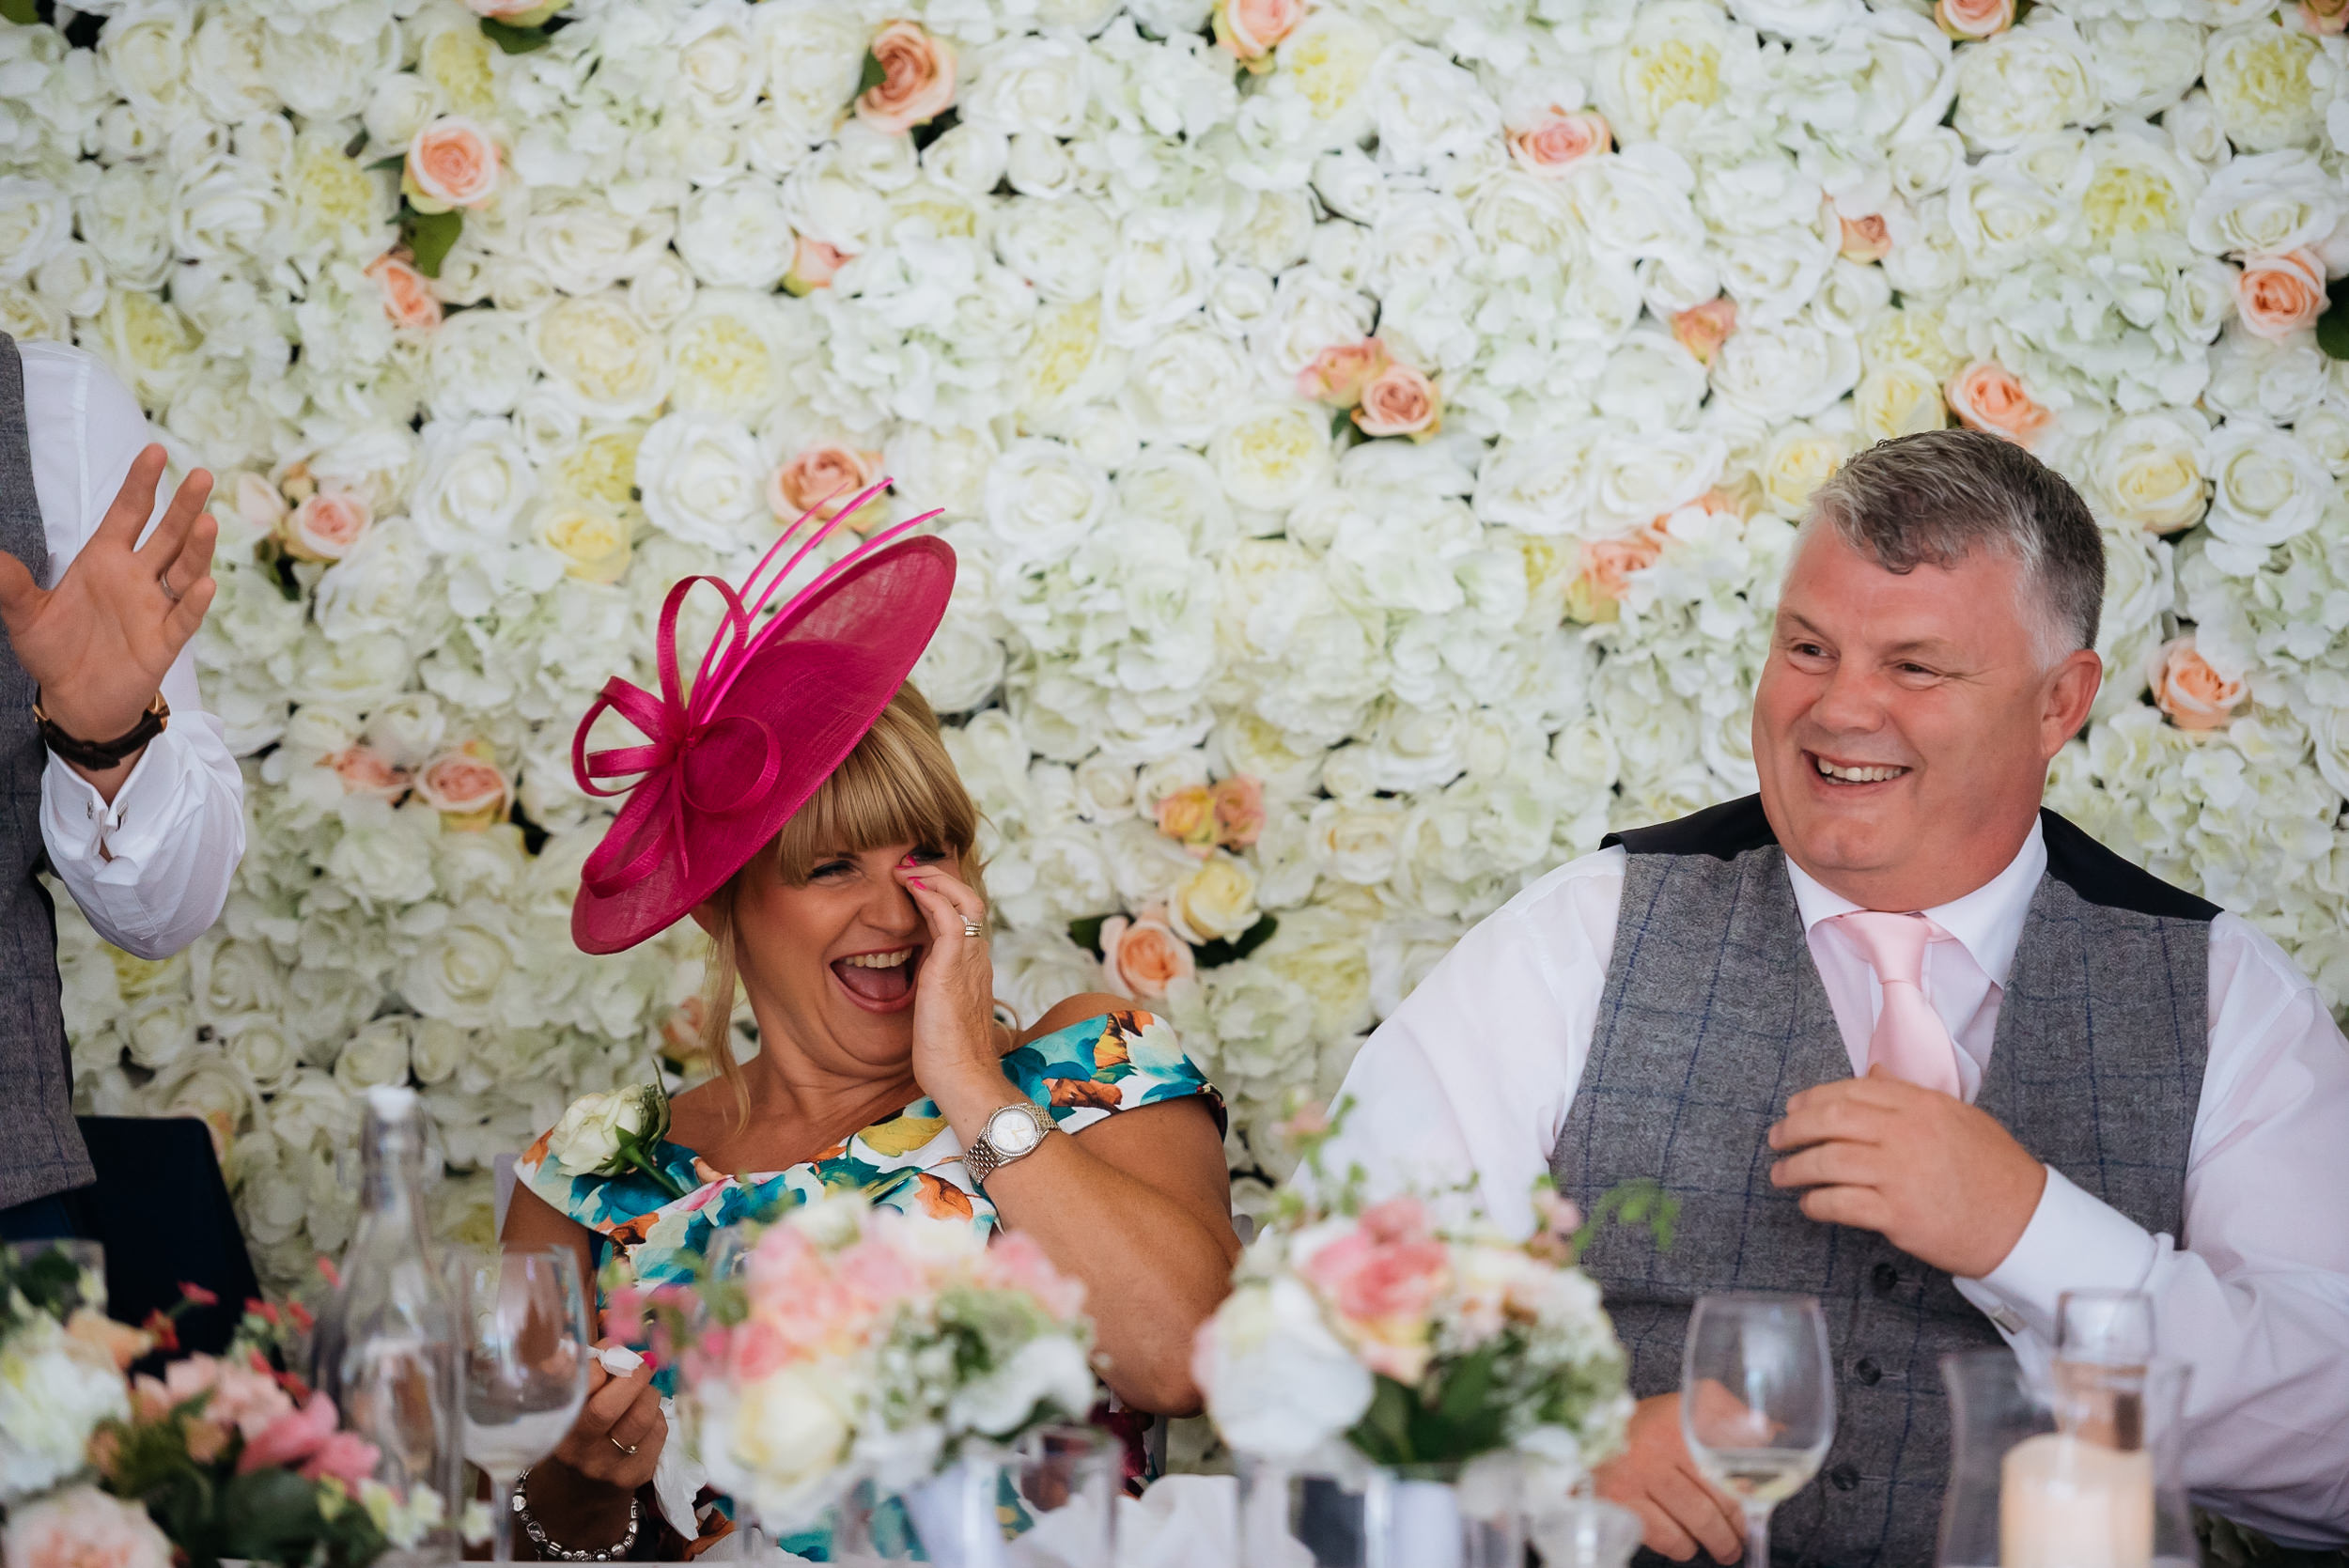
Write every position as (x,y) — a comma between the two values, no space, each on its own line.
(2260,1305)
(150,870)
(1467,1085)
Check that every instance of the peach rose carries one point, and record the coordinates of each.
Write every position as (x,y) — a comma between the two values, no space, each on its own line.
(325,526)
(82,1526)
(1866,239)
(917,79)
(1596,595)
(1986,397)
(515,13)
(118,1342)
(2188,689)
(2325,18)
(812,265)
(451,163)
(1558,140)
(365,771)
(822,479)
(1251,29)
(1338,374)
(1399,402)
(406,294)
(1974,19)
(1143,956)
(1238,811)
(1703,329)
(1188,817)
(469,792)
(2280,295)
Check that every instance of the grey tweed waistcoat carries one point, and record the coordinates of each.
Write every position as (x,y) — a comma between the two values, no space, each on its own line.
(1713,1014)
(40,1148)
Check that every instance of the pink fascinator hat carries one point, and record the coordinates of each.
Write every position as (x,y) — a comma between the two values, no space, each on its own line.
(773,709)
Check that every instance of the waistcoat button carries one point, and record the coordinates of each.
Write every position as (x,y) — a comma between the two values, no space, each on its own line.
(1867,1370)
(1887,1278)
(1844,1477)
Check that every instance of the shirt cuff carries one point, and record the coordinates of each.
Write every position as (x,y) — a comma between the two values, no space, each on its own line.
(82,824)
(2074,1242)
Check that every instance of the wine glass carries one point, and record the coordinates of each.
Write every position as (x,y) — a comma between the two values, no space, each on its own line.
(524,1354)
(1757,1401)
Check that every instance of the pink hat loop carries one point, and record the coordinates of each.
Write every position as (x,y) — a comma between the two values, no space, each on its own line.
(772,709)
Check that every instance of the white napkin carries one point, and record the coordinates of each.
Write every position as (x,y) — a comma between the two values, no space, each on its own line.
(679,1478)
(1183,1521)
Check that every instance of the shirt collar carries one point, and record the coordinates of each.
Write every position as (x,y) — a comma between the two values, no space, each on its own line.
(1987,922)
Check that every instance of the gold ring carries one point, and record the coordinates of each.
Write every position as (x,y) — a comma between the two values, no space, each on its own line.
(971,927)
(629,1449)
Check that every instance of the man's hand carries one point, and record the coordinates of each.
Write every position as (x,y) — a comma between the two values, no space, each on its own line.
(1938,1179)
(98,642)
(1656,1479)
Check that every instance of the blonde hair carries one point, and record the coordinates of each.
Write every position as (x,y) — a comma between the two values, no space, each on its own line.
(898,786)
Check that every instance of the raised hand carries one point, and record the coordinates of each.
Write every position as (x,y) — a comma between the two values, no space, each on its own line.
(955,1057)
(97,643)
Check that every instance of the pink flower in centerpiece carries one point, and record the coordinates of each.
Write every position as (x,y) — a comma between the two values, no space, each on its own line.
(1987,397)
(83,1527)
(1400,401)
(1339,373)
(1143,956)
(1557,139)
(1015,1259)
(451,163)
(822,479)
(1251,29)
(408,298)
(814,264)
(247,1398)
(325,526)
(1382,1276)
(917,79)
(2280,295)
(346,1456)
(1703,329)
(469,792)
(292,1438)
(1238,811)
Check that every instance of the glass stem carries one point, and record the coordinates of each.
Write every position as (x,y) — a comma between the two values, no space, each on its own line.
(501,1518)
(1757,1538)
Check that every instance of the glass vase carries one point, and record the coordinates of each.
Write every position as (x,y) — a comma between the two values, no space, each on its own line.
(1047,1501)
(1371,1517)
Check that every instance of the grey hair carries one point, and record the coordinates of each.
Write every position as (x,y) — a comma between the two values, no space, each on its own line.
(1933,497)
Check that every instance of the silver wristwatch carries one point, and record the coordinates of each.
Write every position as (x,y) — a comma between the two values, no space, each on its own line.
(1011,1132)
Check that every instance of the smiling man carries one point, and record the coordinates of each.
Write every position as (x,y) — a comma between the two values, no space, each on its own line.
(1900,1039)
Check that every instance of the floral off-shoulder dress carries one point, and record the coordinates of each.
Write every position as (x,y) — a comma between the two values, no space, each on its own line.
(912,1162)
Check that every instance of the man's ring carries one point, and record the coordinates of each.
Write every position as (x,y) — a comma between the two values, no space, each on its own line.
(971,927)
(629,1449)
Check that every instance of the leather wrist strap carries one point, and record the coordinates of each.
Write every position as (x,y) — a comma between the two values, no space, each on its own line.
(98,755)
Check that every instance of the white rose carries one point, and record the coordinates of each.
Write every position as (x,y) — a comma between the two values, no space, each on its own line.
(1637,203)
(2148,470)
(35,224)
(1182,385)
(378,585)
(125,215)
(1277,1381)
(1218,900)
(377,1054)
(2262,79)
(1794,370)
(662,291)
(606,363)
(823,200)
(1174,485)
(1040,166)
(586,1142)
(225,210)
(943,465)
(718,74)
(2196,133)
(144,49)
(1540,484)
(384,856)
(2265,203)
(1039,84)
(702,481)
(961,667)
(1310,311)
(1357,841)
(2268,488)
(1062,247)
(2143,64)
(968,159)
(260,1050)
(1157,275)
(775,1440)
(1428,108)
(723,356)
(1923,161)
(1636,479)
(1898,397)
(480,363)
(2325,433)
(1042,500)
(2034,79)
(325,74)
(476,480)
(1266,229)
(400,105)
(813,55)
(439,1048)
(586,244)
(736,234)
(469,972)
(55,1392)
(1272,456)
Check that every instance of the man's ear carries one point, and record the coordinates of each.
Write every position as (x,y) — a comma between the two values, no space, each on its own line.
(2072,689)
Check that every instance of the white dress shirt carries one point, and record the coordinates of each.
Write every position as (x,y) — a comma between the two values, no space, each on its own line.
(1468,1083)
(150,870)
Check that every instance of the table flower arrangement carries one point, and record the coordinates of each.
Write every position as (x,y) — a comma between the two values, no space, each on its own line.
(220,1457)
(854,1345)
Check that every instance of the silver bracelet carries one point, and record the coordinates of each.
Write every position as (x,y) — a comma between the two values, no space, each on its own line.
(548,1548)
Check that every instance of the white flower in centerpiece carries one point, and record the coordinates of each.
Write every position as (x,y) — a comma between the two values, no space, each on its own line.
(53,1391)
(1278,1382)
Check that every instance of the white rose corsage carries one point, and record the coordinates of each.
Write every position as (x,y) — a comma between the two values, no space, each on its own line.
(613,1132)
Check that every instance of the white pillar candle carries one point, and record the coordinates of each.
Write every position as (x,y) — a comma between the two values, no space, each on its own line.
(2066,1503)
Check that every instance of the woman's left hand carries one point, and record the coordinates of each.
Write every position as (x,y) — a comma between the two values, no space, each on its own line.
(953,993)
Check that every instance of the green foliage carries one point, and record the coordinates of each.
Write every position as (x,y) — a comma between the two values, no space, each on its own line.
(1643,1203)
(2332,328)
(49,1281)
(1458,1420)
(429,235)
(872,75)
(24,13)
(513,39)
(1221,951)
(1086,933)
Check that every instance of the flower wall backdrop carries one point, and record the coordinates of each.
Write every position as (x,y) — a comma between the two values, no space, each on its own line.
(1368,431)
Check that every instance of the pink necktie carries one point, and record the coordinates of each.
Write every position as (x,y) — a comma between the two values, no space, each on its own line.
(1910,1039)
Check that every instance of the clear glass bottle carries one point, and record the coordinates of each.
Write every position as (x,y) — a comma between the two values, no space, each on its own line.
(386,1342)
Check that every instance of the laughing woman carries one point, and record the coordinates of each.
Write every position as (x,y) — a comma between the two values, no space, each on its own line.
(801,806)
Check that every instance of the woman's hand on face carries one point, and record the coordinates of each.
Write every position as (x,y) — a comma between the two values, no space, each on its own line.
(954,994)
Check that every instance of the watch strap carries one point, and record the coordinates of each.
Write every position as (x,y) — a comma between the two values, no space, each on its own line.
(98,755)
(984,1159)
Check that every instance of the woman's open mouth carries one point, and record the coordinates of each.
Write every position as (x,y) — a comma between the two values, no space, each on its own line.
(879,982)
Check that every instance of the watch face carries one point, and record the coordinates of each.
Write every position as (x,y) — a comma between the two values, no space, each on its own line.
(1012,1130)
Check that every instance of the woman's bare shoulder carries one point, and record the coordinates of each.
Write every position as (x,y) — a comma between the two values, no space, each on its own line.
(1076,1009)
